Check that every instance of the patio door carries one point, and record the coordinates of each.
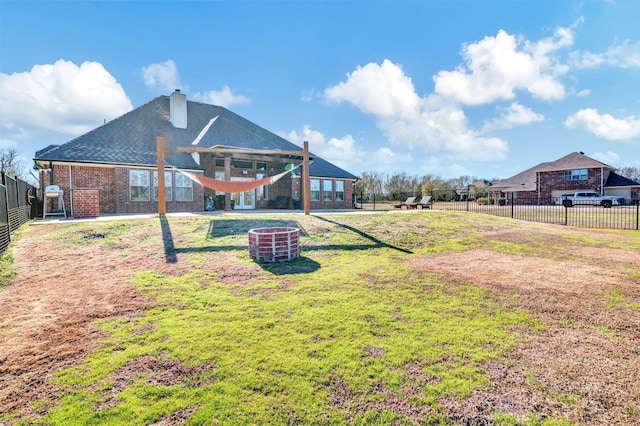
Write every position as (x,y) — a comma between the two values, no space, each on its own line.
(244,200)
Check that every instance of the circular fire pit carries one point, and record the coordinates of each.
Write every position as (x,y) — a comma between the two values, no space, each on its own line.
(278,244)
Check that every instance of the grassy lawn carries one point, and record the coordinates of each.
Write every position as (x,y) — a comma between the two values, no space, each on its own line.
(361,329)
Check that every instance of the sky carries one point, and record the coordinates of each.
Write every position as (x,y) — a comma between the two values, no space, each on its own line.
(446,88)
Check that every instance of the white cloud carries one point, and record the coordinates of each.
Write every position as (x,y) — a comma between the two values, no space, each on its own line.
(610,158)
(162,76)
(345,152)
(308,95)
(431,124)
(381,90)
(222,97)
(444,167)
(514,115)
(496,67)
(340,151)
(386,156)
(605,125)
(586,59)
(61,98)
(583,93)
(624,55)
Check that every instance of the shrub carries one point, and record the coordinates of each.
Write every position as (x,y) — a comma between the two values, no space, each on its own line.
(482,201)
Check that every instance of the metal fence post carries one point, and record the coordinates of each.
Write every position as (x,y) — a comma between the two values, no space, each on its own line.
(512,205)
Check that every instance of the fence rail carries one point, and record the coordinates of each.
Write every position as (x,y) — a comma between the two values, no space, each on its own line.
(16,206)
(626,215)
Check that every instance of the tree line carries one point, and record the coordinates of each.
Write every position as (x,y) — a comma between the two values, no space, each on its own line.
(402,185)
(399,185)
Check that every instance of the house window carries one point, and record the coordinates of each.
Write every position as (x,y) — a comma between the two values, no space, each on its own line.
(580,174)
(315,189)
(167,186)
(219,162)
(261,166)
(220,176)
(262,193)
(184,188)
(139,184)
(327,190)
(241,164)
(339,190)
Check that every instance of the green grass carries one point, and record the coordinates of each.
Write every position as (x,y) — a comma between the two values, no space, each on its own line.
(7,270)
(328,338)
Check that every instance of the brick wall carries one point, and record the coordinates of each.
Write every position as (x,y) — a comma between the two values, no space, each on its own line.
(347,203)
(86,202)
(99,178)
(554,181)
(112,185)
(125,205)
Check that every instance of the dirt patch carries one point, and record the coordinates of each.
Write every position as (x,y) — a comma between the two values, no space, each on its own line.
(585,362)
(49,308)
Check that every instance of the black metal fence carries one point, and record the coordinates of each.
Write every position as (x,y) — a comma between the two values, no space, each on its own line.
(18,204)
(625,215)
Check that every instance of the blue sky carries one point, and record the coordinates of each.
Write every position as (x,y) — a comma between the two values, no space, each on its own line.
(448,88)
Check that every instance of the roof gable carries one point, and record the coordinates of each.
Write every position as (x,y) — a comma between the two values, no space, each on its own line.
(575,160)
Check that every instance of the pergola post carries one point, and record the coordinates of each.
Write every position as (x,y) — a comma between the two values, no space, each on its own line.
(162,197)
(227,176)
(306,182)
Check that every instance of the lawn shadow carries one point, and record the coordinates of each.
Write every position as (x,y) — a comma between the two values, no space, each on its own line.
(224,228)
(167,241)
(301,265)
(376,243)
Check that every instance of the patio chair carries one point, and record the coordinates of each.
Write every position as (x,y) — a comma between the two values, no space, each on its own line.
(410,200)
(425,203)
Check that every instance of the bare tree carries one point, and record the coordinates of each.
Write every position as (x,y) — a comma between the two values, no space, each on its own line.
(10,163)
(370,183)
(632,173)
(401,184)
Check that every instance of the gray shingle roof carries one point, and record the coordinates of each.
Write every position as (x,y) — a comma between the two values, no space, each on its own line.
(131,138)
(615,179)
(526,180)
(323,168)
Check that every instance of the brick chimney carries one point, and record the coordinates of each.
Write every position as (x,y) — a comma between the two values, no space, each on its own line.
(178,109)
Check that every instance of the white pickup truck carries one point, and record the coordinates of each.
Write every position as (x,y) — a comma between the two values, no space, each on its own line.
(588,197)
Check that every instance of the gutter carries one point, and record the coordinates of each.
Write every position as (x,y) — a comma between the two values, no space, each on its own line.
(70,192)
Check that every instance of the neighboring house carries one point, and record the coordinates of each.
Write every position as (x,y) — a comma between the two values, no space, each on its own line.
(113,168)
(544,183)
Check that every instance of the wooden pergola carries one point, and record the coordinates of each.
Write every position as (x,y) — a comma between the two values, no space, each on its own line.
(227,152)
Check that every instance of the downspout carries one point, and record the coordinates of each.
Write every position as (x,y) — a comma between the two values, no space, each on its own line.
(70,193)
(602,180)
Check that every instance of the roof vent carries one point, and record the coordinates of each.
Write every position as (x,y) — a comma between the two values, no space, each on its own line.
(178,109)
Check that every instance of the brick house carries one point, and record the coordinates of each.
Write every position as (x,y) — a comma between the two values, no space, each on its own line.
(116,163)
(544,183)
